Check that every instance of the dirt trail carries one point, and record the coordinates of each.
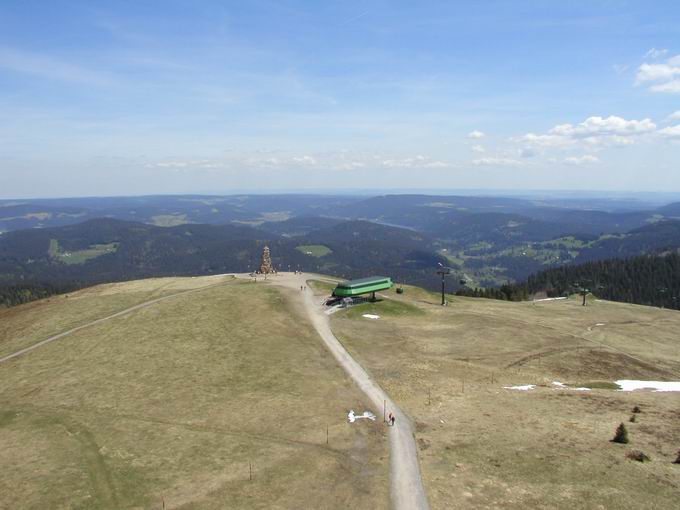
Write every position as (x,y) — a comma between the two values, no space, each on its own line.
(98,321)
(407,491)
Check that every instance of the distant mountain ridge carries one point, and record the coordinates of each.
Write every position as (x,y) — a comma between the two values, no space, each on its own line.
(487,241)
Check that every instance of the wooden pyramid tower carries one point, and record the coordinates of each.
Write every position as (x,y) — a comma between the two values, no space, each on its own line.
(266,266)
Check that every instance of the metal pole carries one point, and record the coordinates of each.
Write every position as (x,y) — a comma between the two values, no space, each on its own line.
(384,410)
(443,300)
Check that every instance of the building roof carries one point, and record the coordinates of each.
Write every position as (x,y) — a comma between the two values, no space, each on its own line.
(363,281)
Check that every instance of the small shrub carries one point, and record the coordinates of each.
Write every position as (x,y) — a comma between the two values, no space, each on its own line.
(637,409)
(621,434)
(638,455)
(677,461)
(632,419)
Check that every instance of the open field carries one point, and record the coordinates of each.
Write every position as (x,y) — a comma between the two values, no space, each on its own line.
(314,250)
(80,256)
(483,446)
(172,402)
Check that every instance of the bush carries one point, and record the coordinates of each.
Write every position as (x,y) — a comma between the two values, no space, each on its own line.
(632,419)
(621,434)
(638,455)
(677,461)
(637,409)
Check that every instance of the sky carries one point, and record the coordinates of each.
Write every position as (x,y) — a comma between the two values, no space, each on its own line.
(147,97)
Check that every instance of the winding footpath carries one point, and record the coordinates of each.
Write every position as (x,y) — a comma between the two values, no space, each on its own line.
(407,491)
(99,321)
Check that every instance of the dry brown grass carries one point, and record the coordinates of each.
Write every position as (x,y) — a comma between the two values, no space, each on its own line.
(482,446)
(173,401)
(21,326)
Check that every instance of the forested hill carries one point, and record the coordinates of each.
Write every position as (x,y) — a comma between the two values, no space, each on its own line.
(652,280)
(646,280)
(35,263)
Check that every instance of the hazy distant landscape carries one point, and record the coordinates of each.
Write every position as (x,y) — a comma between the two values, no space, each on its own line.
(347,255)
(488,241)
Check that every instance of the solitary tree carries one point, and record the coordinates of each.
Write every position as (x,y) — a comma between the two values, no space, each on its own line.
(621,434)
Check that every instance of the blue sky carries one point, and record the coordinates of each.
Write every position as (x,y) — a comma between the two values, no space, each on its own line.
(136,97)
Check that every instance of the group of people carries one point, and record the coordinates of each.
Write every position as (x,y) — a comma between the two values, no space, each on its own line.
(390,420)
(303,287)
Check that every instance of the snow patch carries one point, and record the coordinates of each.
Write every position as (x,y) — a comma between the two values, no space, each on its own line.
(371,316)
(562,386)
(526,387)
(354,417)
(632,385)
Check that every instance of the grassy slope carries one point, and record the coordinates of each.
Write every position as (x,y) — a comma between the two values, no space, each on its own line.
(173,401)
(483,446)
(27,324)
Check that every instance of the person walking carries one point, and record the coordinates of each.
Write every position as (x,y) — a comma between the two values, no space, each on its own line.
(393,419)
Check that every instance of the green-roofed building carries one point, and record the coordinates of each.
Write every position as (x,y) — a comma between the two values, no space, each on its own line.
(370,285)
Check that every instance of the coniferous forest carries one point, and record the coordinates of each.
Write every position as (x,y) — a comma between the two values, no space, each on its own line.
(652,280)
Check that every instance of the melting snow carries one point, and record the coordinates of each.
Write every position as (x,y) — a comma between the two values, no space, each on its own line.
(371,316)
(354,417)
(526,387)
(562,386)
(631,385)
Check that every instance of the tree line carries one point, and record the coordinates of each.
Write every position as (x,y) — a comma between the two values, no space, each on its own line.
(652,280)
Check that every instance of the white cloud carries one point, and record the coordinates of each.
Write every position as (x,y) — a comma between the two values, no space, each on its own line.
(475,135)
(544,140)
(526,152)
(654,54)
(305,160)
(267,159)
(674,115)
(671,87)
(414,162)
(586,159)
(656,72)
(670,132)
(601,126)
(496,162)
(594,131)
(664,77)
(477,148)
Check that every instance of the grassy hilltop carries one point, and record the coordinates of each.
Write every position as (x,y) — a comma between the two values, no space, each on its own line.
(483,446)
(172,402)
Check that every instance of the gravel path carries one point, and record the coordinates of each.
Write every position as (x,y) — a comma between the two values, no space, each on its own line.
(407,489)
